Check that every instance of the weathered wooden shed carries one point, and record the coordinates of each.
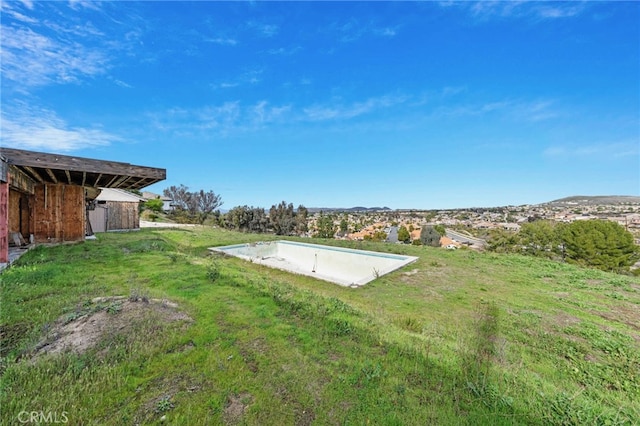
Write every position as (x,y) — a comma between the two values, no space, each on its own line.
(115,210)
(45,197)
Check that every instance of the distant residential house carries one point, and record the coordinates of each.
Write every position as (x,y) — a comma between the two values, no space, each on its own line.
(115,210)
(509,226)
(167,202)
(448,243)
(484,225)
(633,220)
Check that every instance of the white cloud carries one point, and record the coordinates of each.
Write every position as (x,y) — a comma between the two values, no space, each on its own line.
(10,9)
(224,41)
(385,31)
(489,9)
(555,11)
(248,77)
(31,59)
(341,112)
(264,113)
(285,51)
(62,48)
(28,127)
(520,110)
(471,109)
(538,111)
(84,4)
(355,29)
(607,150)
(265,30)
(122,84)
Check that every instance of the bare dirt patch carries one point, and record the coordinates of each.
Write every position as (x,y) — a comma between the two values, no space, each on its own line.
(625,313)
(105,316)
(235,408)
(564,319)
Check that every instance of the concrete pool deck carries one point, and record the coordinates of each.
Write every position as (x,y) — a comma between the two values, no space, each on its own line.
(343,266)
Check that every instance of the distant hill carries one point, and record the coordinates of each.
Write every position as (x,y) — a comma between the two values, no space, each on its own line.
(347,210)
(584,200)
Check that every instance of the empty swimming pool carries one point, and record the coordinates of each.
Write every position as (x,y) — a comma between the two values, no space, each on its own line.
(347,267)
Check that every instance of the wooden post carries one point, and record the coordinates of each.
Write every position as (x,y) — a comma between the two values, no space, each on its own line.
(4,222)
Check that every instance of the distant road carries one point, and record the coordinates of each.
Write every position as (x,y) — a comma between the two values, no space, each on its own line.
(147,224)
(462,238)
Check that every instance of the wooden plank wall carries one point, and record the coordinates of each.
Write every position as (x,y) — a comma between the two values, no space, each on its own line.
(14,211)
(4,222)
(20,181)
(59,213)
(122,215)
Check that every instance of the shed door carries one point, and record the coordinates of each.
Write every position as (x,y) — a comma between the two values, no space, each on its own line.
(98,218)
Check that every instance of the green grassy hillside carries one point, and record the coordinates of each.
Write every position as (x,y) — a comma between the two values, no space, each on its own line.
(458,337)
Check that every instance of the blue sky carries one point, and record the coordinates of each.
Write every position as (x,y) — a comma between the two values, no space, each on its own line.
(335,104)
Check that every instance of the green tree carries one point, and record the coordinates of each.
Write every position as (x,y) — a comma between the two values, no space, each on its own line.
(539,238)
(301,219)
(325,227)
(154,205)
(247,219)
(503,241)
(192,206)
(282,218)
(377,236)
(343,227)
(429,236)
(403,234)
(601,244)
(205,204)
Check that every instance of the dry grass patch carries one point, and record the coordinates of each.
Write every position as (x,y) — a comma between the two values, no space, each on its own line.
(104,317)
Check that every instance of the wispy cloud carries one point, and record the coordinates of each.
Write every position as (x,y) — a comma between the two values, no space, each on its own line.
(491,9)
(84,4)
(264,30)
(605,150)
(285,51)
(122,83)
(31,59)
(520,110)
(263,112)
(230,117)
(355,29)
(8,9)
(224,41)
(234,117)
(471,109)
(248,77)
(334,111)
(60,47)
(535,111)
(28,127)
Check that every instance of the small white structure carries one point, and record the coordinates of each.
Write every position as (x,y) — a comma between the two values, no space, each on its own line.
(347,267)
(167,203)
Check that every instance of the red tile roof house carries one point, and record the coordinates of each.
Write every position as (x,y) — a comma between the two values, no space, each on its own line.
(44,198)
(448,243)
